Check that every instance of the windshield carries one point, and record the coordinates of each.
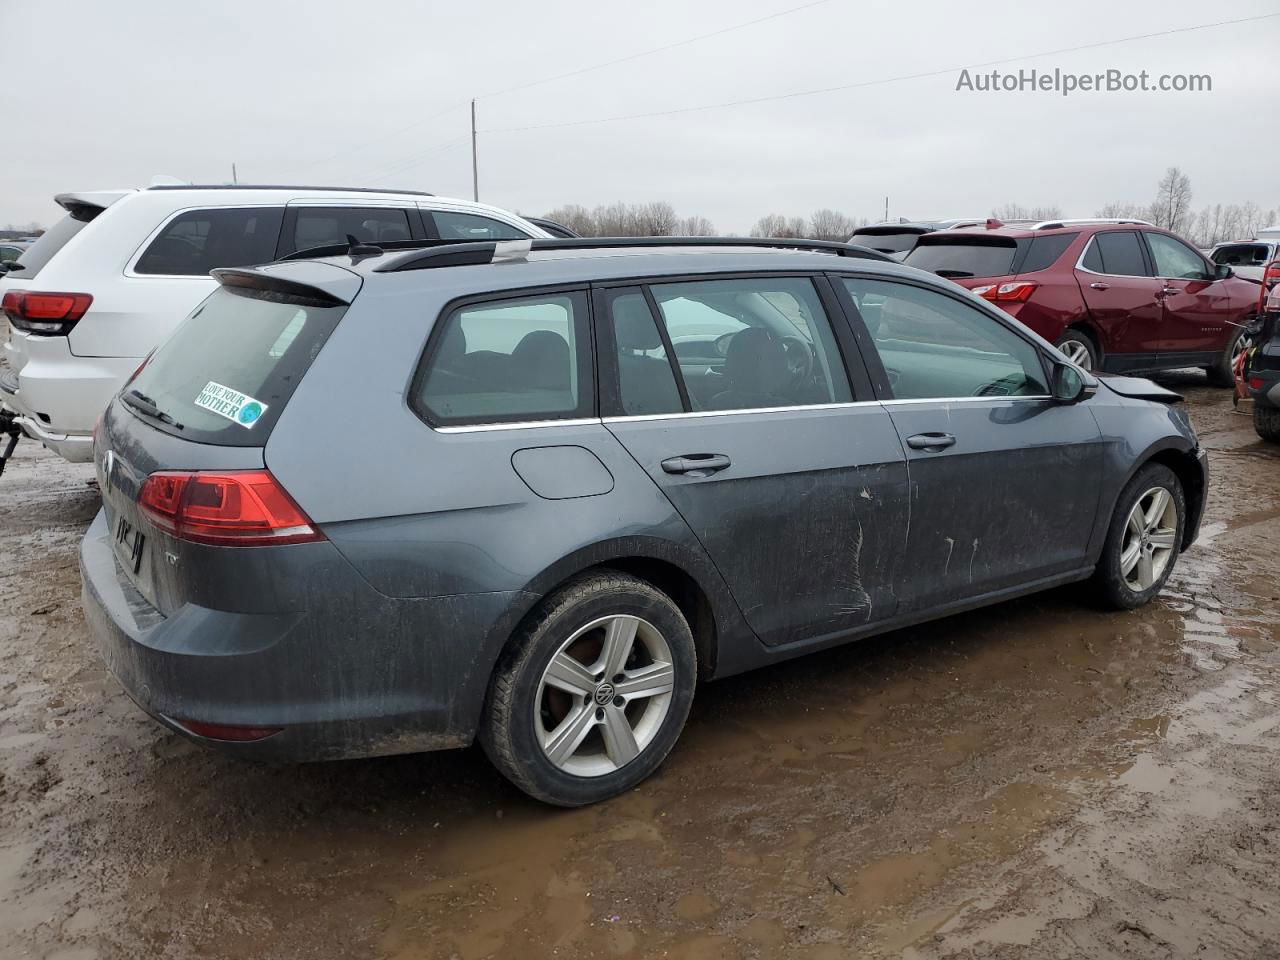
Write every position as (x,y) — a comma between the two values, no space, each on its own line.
(227,372)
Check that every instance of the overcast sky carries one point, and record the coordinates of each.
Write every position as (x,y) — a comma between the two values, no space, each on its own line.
(105,94)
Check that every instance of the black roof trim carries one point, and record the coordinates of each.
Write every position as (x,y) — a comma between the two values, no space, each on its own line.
(252,282)
(476,252)
(283,186)
(342,249)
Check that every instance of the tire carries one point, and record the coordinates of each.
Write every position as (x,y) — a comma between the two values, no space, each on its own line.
(1266,420)
(1080,348)
(531,713)
(1123,589)
(1223,373)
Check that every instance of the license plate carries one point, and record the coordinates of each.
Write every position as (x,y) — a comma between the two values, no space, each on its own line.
(129,541)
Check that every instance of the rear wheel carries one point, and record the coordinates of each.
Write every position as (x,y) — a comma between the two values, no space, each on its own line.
(1266,420)
(1143,540)
(1078,347)
(1223,373)
(593,691)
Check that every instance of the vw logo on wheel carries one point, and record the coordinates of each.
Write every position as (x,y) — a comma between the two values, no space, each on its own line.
(604,694)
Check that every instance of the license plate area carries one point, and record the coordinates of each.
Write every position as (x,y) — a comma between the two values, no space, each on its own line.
(129,544)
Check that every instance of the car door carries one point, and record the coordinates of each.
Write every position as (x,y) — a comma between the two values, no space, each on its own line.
(1198,309)
(1123,298)
(791,476)
(1003,478)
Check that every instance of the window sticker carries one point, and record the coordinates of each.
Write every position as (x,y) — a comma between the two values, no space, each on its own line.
(235,406)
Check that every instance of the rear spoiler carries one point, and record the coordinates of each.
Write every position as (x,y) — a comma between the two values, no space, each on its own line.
(87,205)
(305,283)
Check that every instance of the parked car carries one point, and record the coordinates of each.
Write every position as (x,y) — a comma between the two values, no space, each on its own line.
(389,503)
(1113,295)
(11,250)
(896,238)
(108,282)
(1247,258)
(1260,371)
(552,228)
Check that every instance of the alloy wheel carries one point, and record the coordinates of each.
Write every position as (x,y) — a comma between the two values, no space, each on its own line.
(604,695)
(1149,539)
(1078,352)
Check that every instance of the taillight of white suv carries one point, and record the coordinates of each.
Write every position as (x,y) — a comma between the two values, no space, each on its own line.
(51,314)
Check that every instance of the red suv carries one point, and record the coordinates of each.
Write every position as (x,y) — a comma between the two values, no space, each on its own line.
(1114,295)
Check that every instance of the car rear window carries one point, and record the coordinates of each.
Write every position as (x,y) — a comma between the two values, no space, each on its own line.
(1242,255)
(964,256)
(53,240)
(195,242)
(886,242)
(227,372)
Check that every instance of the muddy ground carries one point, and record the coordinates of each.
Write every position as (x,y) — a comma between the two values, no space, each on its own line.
(1038,779)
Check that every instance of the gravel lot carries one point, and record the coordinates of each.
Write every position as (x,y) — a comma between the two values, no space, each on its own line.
(1038,779)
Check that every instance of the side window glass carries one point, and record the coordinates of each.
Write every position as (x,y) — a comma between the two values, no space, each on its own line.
(752,343)
(646,383)
(1093,258)
(198,241)
(933,345)
(468,226)
(1121,253)
(501,361)
(322,226)
(1044,251)
(1174,259)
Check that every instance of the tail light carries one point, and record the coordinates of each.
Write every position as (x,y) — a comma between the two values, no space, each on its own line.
(222,731)
(53,314)
(1017,291)
(241,508)
(1270,277)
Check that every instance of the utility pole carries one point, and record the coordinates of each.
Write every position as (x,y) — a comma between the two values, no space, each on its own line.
(475,166)
(233,173)
(886,208)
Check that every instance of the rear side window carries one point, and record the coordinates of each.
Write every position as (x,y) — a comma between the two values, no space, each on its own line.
(1044,251)
(1117,253)
(195,242)
(510,360)
(229,369)
(965,256)
(646,382)
(469,226)
(53,240)
(323,226)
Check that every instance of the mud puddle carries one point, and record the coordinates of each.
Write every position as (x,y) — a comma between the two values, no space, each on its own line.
(1035,779)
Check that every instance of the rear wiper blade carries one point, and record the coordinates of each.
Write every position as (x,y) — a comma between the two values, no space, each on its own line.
(140,401)
(953,273)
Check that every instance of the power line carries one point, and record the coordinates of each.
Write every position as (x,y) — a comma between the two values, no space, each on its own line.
(408,163)
(880,81)
(384,137)
(650,52)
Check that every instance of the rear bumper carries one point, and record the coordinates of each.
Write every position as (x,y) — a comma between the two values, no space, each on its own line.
(370,675)
(1269,392)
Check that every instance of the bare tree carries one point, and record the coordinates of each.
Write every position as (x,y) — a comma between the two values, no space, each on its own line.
(655,219)
(1016,211)
(574,216)
(1172,207)
(1124,211)
(828,224)
(770,225)
(695,227)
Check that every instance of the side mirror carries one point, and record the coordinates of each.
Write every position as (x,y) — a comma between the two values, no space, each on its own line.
(1223,271)
(1070,384)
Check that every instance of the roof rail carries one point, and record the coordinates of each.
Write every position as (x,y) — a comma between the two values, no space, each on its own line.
(282,186)
(486,251)
(368,249)
(1053,224)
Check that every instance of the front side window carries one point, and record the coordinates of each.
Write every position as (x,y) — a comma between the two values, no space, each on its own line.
(195,242)
(1175,260)
(324,226)
(504,361)
(469,226)
(1117,253)
(753,342)
(933,345)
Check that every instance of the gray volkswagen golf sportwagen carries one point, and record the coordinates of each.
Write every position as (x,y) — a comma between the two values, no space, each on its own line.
(395,500)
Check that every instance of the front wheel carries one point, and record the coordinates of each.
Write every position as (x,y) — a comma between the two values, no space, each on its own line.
(1143,540)
(592,692)
(1223,373)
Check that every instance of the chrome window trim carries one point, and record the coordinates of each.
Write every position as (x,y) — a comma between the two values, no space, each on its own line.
(691,414)
(897,401)
(1094,273)
(516,425)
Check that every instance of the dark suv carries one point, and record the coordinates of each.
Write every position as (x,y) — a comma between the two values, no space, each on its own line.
(388,502)
(1113,295)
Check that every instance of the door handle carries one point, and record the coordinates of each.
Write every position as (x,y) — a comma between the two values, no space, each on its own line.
(696,464)
(1167,291)
(932,442)
(1099,285)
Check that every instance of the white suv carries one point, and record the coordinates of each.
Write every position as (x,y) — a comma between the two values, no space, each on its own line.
(106,284)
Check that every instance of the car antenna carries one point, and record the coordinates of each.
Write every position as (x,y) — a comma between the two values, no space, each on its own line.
(357,250)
